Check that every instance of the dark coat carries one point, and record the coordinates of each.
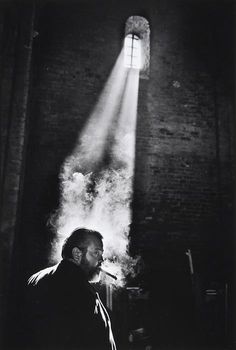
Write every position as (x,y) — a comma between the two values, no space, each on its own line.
(64,312)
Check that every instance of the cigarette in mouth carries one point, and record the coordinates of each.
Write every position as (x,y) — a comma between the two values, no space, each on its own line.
(109,274)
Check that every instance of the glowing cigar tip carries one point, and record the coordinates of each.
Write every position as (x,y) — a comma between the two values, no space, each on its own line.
(109,274)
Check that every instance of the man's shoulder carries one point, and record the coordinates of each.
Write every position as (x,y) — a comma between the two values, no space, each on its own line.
(41,275)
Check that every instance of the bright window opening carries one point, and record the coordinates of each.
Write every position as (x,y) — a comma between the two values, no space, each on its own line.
(132,51)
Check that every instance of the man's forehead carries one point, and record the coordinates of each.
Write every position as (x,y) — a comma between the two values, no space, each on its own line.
(95,243)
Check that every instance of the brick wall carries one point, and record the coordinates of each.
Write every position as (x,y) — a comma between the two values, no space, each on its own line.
(183,162)
(183,191)
(183,139)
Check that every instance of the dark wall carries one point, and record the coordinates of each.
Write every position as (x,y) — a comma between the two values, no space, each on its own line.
(15,57)
(183,190)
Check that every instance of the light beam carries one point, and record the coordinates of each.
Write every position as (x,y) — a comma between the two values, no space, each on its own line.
(98,199)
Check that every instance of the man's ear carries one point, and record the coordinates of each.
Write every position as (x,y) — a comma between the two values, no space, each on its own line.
(77,254)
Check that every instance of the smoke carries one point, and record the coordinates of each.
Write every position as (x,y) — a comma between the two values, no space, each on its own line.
(99,196)
(102,204)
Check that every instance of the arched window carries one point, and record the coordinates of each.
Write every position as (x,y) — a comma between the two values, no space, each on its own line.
(132,51)
(137,45)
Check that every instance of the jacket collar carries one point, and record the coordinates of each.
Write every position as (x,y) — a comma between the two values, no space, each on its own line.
(73,270)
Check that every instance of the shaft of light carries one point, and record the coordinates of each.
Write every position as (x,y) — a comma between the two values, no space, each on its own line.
(93,138)
(107,209)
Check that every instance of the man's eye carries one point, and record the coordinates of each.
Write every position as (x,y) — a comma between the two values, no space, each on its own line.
(97,253)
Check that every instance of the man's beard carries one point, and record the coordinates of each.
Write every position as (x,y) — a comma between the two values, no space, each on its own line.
(92,272)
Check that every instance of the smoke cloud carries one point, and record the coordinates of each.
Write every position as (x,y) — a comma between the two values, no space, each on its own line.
(102,204)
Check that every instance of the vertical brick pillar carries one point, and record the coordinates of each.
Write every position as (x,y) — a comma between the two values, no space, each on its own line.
(15,140)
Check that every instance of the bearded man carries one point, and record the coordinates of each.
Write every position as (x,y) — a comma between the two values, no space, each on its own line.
(64,311)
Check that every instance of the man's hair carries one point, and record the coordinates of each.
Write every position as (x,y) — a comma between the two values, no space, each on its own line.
(80,238)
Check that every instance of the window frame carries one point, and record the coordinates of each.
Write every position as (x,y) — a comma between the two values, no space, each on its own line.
(132,51)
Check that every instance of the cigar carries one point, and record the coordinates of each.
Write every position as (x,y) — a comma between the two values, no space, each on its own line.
(109,274)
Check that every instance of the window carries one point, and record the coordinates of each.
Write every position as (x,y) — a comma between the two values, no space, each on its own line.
(137,45)
(132,51)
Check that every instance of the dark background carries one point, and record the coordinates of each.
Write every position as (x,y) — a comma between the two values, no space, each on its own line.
(55,58)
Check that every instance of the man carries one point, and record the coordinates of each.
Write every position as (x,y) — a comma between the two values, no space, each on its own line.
(63,309)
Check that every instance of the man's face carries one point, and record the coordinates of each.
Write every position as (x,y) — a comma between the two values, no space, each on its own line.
(92,259)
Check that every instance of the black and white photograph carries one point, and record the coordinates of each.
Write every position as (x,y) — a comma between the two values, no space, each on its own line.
(117,170)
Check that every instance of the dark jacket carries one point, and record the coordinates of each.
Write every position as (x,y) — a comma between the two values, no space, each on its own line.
(63,311)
